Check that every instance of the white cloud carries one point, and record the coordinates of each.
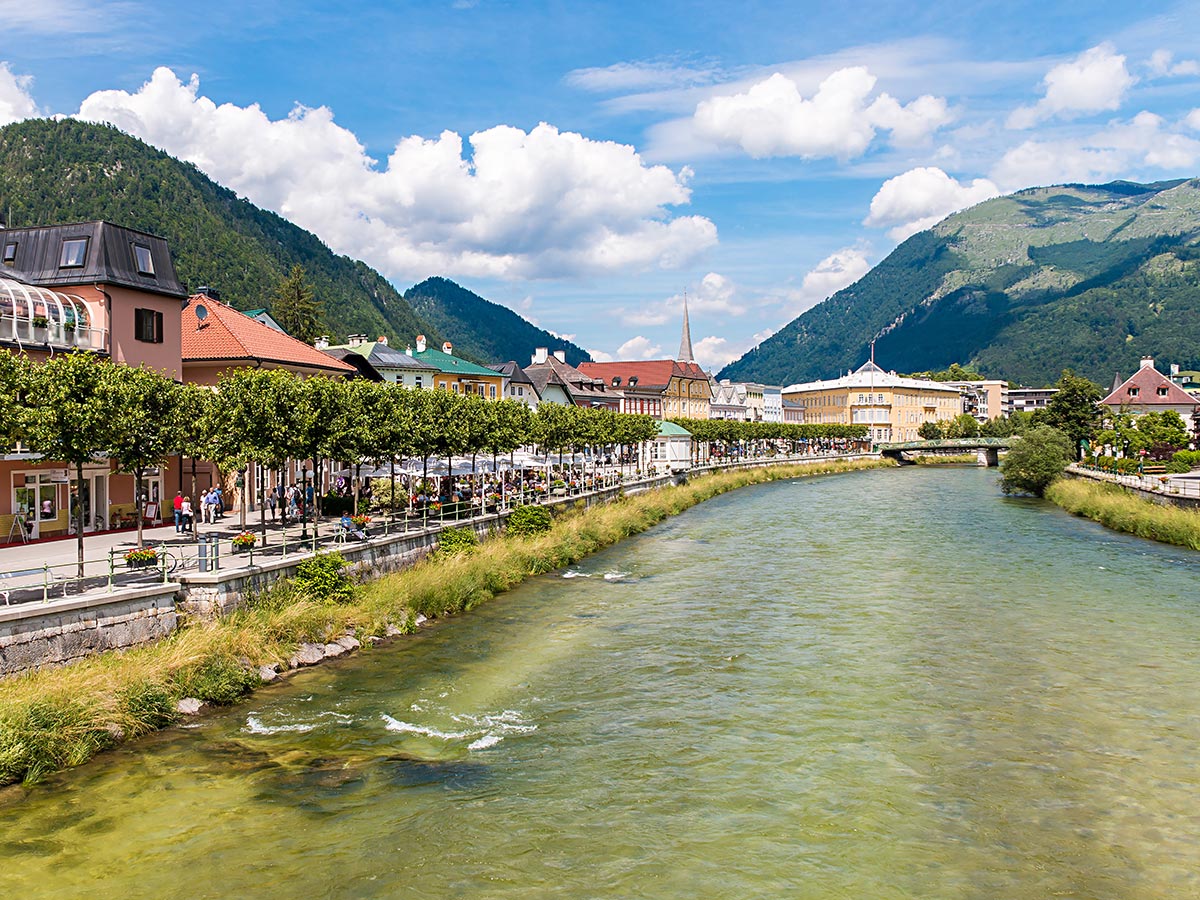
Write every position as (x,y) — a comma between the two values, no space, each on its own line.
(1193,120)
(636,76)
(772,118)
(836,271)
(922,197)
(645,316)
(600,355)
(520,204)
(1162,65)
(1145,142)
(714,353)
(1094,81)
(61,16)
(16,103)
(639,348)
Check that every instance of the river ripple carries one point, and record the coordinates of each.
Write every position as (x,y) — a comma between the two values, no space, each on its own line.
(890,684)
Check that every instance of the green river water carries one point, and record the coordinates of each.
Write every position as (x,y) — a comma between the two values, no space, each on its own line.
(888,684)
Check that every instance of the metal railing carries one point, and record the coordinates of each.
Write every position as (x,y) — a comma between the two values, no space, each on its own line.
(213,552)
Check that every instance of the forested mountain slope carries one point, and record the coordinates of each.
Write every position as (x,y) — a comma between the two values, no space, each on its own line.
(481,329)
(68,171)
(1020,287)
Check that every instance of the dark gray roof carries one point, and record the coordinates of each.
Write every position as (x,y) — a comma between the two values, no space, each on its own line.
(109,259)
(385,356)
(360,362)
(513,372)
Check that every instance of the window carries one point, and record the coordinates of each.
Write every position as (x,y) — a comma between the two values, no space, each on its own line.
(1133,392)
(10,253)
(1162,392)
(441,385)
(74,253)
(148,326)
(417,381)
(455,387)
(143,260)
(493,391)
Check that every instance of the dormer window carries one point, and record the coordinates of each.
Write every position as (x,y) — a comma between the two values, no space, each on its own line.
(1162,392)
(143,260)
(1133,392)
(74,253)
(10,253)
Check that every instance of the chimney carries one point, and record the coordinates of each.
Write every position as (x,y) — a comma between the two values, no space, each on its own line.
(211,292)
(355,339)
(539,356)
(1147,362)
(420,343)
(448,348)
(560,355)
(383,339)
(322,342)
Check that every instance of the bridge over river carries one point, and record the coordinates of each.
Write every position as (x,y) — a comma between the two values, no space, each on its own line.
(987,450)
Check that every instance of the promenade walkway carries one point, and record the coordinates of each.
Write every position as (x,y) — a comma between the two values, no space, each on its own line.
(47,570)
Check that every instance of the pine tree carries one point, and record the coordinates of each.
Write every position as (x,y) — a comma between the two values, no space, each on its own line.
(296,307)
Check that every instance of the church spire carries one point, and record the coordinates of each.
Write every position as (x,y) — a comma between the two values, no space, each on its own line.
(685,345)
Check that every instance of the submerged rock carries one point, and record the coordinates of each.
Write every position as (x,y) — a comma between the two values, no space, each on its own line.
(349,642)
(189,706)
(332,651)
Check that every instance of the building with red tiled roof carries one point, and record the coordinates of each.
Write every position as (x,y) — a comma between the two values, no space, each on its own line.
(1148,390)
(679,389)
(218,338)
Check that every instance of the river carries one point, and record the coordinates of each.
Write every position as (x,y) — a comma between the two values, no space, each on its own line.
(886,684)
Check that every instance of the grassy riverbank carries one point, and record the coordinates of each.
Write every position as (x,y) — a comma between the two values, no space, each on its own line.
(57,718)
(1118,509)
(958,459)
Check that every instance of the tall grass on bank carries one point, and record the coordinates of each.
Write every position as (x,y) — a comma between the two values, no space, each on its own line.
(56,718)
(933,459)
(1116,508)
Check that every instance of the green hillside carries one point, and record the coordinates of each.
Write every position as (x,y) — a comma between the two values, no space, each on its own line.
(1020,287)
(481,329)
(68,171)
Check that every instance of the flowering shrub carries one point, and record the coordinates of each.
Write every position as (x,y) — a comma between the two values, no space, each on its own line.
(141,555)
(360,520)
(244,540)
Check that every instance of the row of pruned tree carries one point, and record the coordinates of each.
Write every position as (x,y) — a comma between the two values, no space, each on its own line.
(77,406)
(726,434)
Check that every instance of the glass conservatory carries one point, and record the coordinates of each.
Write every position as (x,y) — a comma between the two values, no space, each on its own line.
(37,317)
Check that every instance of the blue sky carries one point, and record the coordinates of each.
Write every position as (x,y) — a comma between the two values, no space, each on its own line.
(585,164)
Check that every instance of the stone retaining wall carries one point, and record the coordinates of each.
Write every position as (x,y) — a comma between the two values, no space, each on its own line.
(1161,495)
(61,631)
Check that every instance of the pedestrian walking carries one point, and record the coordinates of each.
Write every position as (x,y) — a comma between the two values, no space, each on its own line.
(179,512)
(185,513)
(271,503)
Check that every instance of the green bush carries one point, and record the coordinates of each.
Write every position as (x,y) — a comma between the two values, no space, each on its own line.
(453,541)
(529,520)
(324,577)
(148,706)
(48,735)
(220,680)
(1036,460)
(334,504)
(1184,461)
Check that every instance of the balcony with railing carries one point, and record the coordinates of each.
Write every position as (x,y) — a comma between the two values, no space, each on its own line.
(35,318)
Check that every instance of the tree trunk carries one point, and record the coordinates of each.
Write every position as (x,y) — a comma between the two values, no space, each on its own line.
(78,515)
(242,498)
(137,502)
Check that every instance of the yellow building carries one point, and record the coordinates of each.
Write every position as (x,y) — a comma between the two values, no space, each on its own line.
(458,375)
(892,407)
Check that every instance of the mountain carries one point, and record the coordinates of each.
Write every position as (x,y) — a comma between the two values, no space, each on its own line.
(69,171)
(1088,277)
(481,329)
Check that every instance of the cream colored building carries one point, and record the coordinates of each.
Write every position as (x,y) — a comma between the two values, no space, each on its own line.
(891,406)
